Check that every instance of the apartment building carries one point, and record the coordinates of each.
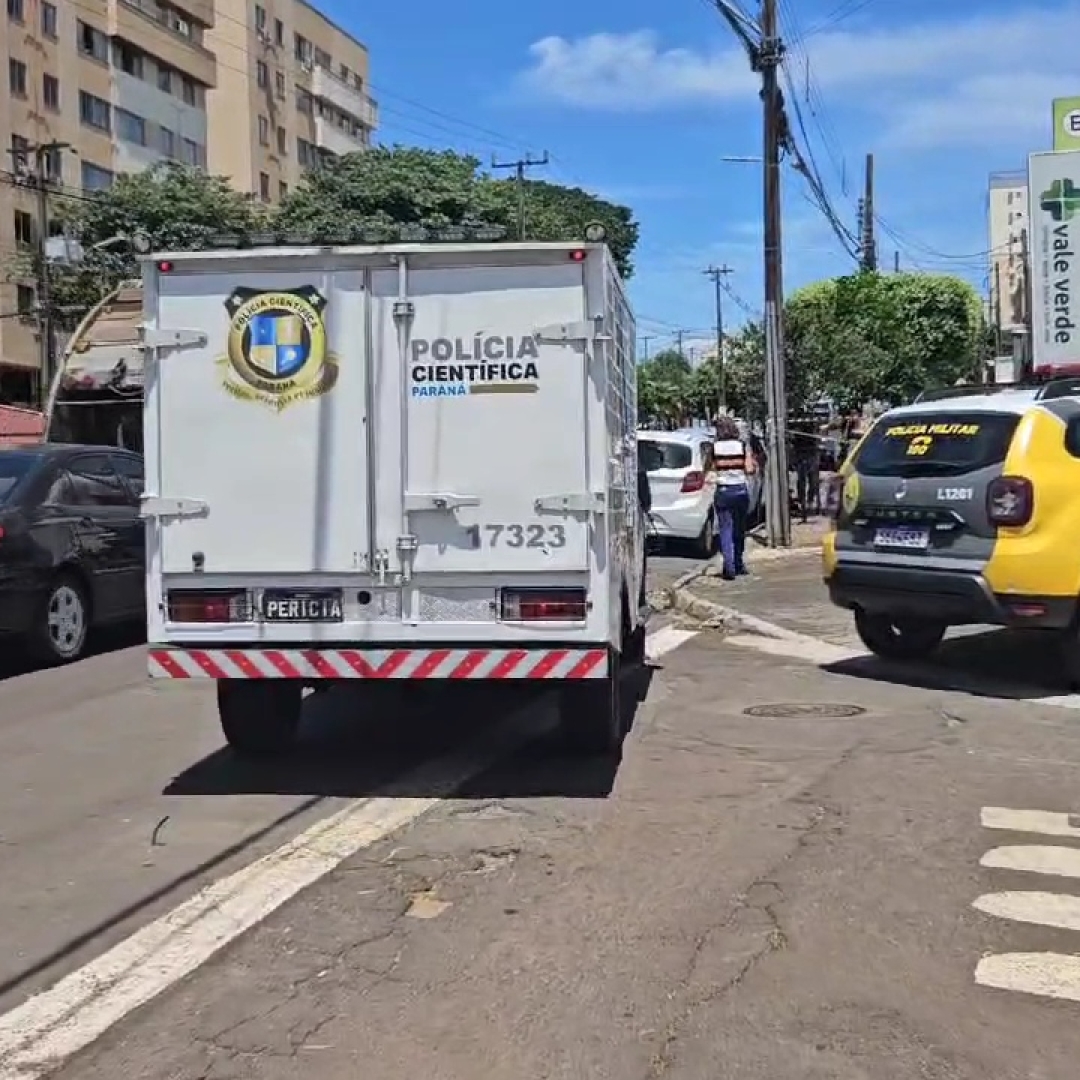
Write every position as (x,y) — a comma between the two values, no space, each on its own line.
(1007,233)
(293,87)
(109,86)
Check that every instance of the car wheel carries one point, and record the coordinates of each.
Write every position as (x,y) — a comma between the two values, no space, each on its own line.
(706,542)
(898,638)
(62,624)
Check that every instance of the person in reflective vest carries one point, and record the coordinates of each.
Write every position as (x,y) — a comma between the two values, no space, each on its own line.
(733,465)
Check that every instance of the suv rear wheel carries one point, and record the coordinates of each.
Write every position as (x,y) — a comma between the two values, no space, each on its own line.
(896,637)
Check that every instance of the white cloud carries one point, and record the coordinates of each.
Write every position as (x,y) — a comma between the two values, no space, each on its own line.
(977,79)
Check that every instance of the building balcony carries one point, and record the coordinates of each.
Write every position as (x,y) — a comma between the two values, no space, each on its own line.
(135,21)
(344,96)
(337,140)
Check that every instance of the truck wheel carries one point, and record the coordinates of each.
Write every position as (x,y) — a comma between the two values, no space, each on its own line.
(259,717)
(898,638)
(590,715)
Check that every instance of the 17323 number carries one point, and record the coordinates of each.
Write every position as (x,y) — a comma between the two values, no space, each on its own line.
(526,536)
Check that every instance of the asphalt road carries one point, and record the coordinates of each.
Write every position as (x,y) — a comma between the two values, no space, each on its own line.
(797,894)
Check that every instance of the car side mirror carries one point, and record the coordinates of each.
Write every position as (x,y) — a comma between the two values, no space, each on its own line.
(1072,436)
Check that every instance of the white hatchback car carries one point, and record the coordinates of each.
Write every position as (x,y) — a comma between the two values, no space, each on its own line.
(678,464)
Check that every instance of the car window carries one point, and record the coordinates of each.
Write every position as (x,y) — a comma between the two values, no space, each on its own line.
(936,444)
(664,455)
(131,469)
(94,483)
(60,491)
(15,466)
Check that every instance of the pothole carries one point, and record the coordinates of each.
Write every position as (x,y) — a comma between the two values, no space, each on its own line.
(796,712)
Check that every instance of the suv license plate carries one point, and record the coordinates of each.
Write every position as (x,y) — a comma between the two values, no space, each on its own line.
(297,606)
(909,539)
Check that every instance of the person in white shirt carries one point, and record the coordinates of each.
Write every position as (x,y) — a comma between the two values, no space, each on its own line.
(733,464)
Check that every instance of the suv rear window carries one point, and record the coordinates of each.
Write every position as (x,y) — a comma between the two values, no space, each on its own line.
(664,455)
(937,444)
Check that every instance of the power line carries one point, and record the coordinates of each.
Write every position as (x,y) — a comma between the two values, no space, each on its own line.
(519,168)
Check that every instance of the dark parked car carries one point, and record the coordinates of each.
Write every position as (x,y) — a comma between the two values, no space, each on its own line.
(72,547)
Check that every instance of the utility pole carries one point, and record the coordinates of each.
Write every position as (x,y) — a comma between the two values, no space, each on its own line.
(679,335)
(718,273)
(868,241)
(896,262)
(39,179)
(762,42)
(519,168)
(645,339)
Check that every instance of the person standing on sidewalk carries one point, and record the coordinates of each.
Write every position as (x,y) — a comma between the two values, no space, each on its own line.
(733,465)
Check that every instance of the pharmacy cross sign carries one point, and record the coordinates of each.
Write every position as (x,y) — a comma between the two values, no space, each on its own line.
(1061,200)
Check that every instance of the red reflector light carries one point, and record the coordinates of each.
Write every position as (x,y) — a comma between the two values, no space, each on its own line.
(577,256)
(165,266)
(544,605)
(693,481)
(1010,501)
(208,606)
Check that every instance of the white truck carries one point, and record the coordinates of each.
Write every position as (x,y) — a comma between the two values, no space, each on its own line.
(408,462)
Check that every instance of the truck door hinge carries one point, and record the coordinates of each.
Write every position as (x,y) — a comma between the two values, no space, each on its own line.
(152,506)
(584,502)
(566,333)
(159,339)
(438,500)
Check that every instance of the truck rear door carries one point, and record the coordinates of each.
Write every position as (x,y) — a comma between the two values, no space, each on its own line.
(258,463)
(496,415)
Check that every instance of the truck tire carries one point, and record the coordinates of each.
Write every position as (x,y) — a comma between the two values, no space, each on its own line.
(894,638)
(590,714)
(259,717)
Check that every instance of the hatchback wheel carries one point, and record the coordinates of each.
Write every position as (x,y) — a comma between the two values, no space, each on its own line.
(706,544)
(898,638)
(62,624)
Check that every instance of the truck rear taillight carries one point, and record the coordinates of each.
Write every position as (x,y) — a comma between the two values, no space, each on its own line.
(209,605)
(544,605)
(692,481)
(1010,501)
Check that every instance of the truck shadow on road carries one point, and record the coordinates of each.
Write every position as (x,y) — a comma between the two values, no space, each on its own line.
(1004,664)
(357,740)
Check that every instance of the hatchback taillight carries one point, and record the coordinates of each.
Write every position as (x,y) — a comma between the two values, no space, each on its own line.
(1010,501)
(693,481)
(209,605)
(544,605)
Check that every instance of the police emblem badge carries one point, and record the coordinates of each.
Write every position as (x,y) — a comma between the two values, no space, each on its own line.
(276,351)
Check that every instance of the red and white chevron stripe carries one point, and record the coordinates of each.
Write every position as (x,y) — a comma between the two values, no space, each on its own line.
(316,664)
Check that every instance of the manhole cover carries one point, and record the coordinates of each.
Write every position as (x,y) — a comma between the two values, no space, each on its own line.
(793,712)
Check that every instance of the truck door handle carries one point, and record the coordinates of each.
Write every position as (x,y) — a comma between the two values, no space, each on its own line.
(439,500)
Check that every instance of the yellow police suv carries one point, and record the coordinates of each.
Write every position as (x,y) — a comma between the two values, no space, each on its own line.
(962,508)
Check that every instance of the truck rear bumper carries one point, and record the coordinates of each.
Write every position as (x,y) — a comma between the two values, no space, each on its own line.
(316,665)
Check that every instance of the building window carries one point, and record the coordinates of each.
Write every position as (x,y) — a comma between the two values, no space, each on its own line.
(25,298)
(17,78)
(129,60)
(260,18)
(279,32)
(94,178)
(130,128)
(24,229)
(190,92)
(92,42)
(264,131)
(302,49)
(164,79)
(49,22)
(323,59)
(94,112)
(16,10)
(167,142)
(358,82)
(282,189)
(279,85)
(264,187)
(191,153)
(344,73)
(50,92)
(53,164)
(306,154)
(20,151)
(282,141)
(262,74)
(303,101)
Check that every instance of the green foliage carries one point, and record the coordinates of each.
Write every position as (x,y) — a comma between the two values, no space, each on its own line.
(378,190)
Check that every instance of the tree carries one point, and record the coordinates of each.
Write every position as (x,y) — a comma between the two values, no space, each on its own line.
(664,384)
(174,205)
(382,189)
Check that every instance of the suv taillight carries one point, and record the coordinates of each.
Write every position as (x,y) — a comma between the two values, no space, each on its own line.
(693,481)
(544,605)
(1010,501)
(209,605)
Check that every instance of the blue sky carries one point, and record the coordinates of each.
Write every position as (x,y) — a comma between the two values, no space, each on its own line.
(640,100)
